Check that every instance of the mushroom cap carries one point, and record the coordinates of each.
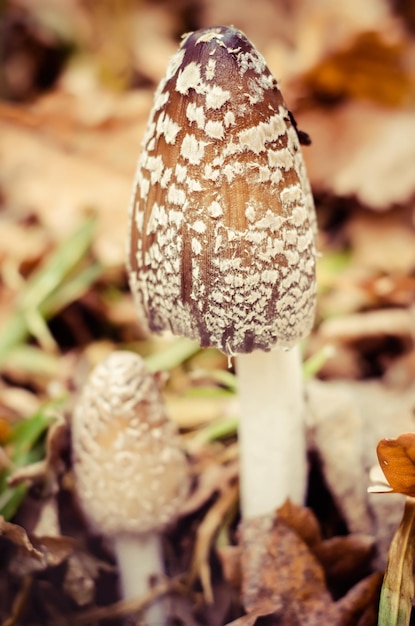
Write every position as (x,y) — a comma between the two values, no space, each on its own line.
(131,474)
(222,222)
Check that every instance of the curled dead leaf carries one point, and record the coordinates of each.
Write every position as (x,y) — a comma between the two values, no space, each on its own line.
(345,558)
(281,574)
(34,553)
(81,575)
(303,521)
(18,536)
(368,67)
(286,563)
(363,150)
(397,460)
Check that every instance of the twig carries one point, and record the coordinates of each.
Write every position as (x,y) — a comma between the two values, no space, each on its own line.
(127,607)
(19,603)
(205,534)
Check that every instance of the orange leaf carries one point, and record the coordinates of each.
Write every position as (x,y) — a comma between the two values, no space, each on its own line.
(397,460)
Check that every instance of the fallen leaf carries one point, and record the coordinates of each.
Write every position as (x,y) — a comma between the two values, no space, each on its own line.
(212,479)
(359,607)
(285,579)
(18,536)
(50,143)
(81,575)
(397,460)
(368,67)
(361,149)
(346,421)
(281,574)
(383,243)
(356,326)
(345,558)
(303,521)
(36,553)
(295,37)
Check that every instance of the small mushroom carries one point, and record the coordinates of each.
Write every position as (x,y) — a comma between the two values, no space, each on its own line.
(131,475)
(222,243)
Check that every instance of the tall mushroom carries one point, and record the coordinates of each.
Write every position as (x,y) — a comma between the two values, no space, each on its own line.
(222,243)
(131,475)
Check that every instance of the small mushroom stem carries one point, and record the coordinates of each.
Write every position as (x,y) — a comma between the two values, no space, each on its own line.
(271,430)
(140,562)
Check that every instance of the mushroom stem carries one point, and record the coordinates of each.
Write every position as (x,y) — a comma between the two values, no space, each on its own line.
(140,562)
(272,439)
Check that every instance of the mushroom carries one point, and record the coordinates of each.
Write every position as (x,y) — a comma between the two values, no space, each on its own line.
(222,243)
(131,475)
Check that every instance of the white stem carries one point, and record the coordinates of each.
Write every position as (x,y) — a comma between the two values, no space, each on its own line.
(272,441)
(140,559)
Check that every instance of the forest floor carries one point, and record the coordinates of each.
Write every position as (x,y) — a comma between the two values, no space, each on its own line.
(76,87)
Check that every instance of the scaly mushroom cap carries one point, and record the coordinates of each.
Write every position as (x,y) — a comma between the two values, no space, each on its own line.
(222,223)
(131,474)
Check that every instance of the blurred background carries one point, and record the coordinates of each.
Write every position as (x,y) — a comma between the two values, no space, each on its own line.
(77,79)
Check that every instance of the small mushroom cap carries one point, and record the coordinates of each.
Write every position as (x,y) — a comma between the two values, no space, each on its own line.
(131,474)
(222,222)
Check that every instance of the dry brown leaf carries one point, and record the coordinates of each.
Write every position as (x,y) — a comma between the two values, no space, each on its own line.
(295,36)
(347,420)
(15,257)
(154,39)
(345,558)
(252,617)
(281,574)
(54,549)
(359,606)
(283,577)
(17,403)
(370,67)
(364,150)
(383,243)
(83,570)
(212,478)
(17,535)
(58,163)
(384,322)
(36,553)
(303,521)
(397,460)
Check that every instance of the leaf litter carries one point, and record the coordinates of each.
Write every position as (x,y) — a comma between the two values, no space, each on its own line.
(68,152)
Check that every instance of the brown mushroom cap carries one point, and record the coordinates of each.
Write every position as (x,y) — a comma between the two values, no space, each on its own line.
(131,474)
(222,228)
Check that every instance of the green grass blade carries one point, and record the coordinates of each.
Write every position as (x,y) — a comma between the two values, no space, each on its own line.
(314,363)
(42,294)
(57,266)
(24,446)
(71,290)
(216,430)
(398,585)
(11,499)
(173,355)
